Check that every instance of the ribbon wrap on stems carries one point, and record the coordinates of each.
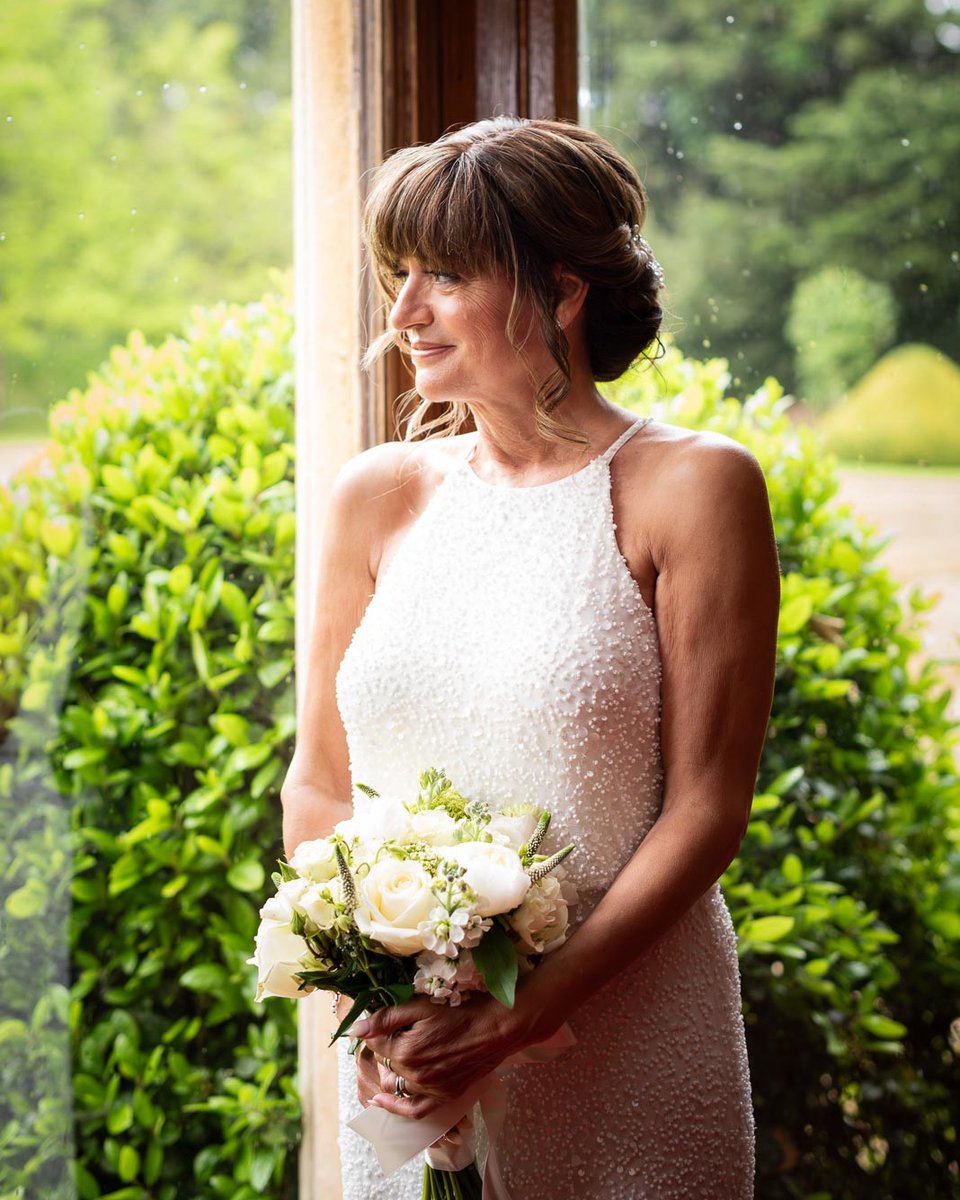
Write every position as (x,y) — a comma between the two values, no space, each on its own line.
(396,1139)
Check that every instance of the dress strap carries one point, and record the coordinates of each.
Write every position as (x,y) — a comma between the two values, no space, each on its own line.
(628,433)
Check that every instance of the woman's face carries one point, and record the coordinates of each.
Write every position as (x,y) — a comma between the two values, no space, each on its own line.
(456,328)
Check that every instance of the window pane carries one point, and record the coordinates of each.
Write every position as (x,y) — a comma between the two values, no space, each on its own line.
(146,624)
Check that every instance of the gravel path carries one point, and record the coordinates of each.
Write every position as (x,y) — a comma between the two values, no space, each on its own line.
(923,514)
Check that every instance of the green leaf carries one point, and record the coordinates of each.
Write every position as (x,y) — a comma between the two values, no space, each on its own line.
(768,929)
(795,614)
(356,1009)
(207,977)
(26,901)
(119,1118)
(945,923)
(883,1027)
(261,1168)
(792,868)
(496,959)
(247,876)
(128,1164)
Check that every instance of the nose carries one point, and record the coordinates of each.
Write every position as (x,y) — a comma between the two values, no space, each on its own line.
(410,308)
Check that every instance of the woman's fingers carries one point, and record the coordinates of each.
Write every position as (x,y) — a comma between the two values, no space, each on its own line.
(415,1106)
(369,1077)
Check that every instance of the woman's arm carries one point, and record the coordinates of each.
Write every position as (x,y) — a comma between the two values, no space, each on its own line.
(317,791)
(717,607)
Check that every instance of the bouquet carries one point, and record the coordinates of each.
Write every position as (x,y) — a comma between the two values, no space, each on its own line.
(440,896)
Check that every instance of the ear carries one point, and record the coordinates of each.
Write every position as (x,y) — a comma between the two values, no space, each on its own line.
(571,292)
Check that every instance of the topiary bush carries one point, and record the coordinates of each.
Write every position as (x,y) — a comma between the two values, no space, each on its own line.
(846,892)
(147,715)
(146,646)
(906,409)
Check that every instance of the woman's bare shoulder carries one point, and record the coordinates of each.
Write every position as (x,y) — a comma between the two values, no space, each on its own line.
(398,472)
(695,478)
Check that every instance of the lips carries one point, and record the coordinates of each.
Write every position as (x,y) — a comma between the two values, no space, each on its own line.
(427,348)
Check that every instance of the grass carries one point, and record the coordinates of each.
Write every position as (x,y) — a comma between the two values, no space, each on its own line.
(886,468)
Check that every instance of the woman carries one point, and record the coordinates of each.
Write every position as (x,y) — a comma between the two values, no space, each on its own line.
(570,606)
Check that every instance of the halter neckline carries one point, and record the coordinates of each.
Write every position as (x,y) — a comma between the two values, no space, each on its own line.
(605,456)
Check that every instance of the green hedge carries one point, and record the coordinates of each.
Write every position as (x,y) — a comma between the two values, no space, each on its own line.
(147,716)
(846,892)
(146,641)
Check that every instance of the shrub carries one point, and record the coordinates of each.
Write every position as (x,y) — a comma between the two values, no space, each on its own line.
(846,892)
(146,637)
(839,322)
(146,643)
(906,409)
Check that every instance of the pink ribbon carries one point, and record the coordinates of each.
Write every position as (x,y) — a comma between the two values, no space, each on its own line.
(396,1139)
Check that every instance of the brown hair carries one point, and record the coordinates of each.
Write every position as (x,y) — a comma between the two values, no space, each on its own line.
(514,196)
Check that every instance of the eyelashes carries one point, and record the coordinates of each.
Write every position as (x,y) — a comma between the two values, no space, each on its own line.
(397,277)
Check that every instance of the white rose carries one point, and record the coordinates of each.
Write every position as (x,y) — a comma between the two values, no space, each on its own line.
(379,820)
(393,898)
(513,829)
(319,902)
(541,920)
(494,872)
(315,860)
(433,826)
(277,956)
(282,906)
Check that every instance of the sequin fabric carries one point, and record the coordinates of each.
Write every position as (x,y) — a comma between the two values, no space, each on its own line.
(508,643)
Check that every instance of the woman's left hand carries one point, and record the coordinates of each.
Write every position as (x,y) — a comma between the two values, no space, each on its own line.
(439,1051)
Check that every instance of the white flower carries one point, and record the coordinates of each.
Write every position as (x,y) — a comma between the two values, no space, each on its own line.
(315,860)
(514,827)
(393,898)
(494,872)
(433,826)
(542,919)
(282,906)
(319,902)
(446,932)
(469,978)
(435,977)
(379,820)
(277,956)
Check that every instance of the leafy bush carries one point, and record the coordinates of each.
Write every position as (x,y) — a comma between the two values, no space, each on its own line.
(146,637)
(146,642)
(846,892)
(838,323)
(906,409)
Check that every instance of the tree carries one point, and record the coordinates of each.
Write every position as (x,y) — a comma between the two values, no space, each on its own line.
(779,139)
(139,175)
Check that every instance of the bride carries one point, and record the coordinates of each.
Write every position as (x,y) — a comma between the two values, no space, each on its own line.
(567,605)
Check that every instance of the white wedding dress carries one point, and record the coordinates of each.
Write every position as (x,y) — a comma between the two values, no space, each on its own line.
(508,643)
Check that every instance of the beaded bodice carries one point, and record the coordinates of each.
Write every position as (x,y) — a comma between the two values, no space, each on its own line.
(508,643)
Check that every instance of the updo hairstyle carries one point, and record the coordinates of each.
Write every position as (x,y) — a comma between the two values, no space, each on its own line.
(515,196)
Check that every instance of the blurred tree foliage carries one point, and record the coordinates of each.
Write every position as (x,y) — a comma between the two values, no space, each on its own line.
(838,321)
(144,167)
(776,139)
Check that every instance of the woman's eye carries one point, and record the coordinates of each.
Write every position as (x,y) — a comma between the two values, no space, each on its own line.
(447,276)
